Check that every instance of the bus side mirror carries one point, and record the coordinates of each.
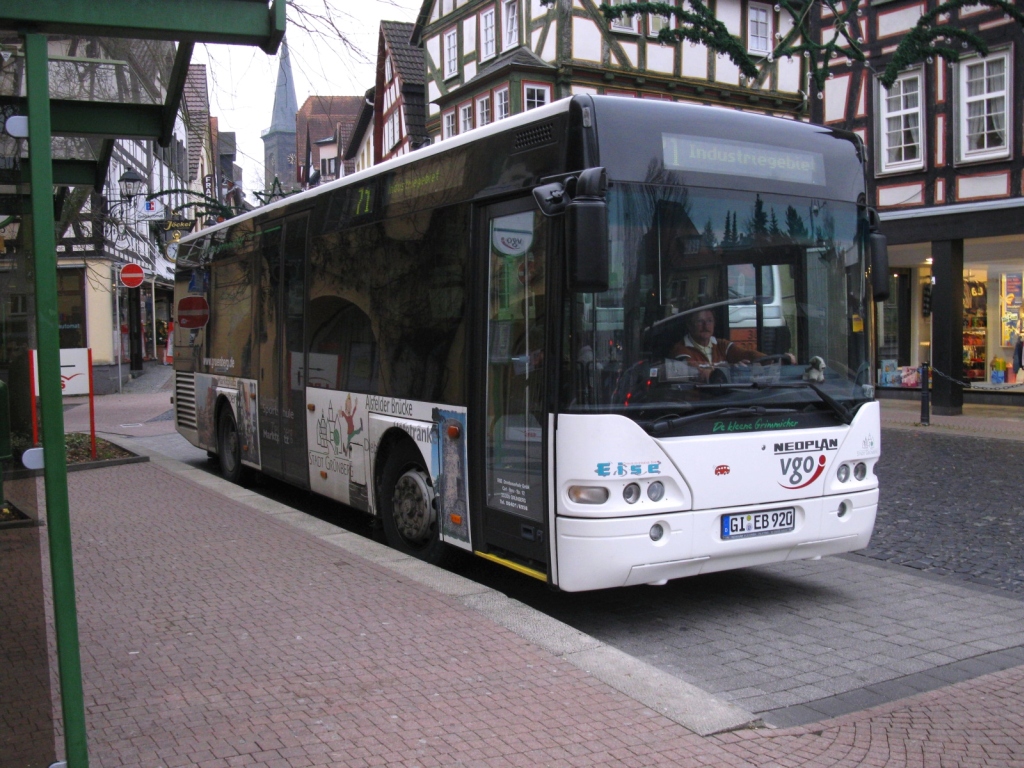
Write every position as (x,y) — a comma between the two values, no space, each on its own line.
(878,251)
(586,233)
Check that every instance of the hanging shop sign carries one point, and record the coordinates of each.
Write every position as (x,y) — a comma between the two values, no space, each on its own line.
(172,230)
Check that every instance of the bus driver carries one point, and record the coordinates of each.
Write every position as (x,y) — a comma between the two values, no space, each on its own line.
(700,347)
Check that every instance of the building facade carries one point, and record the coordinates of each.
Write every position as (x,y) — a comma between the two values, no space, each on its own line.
(359,148)
(946,168)
(487,59)
(321,123)
(399,107)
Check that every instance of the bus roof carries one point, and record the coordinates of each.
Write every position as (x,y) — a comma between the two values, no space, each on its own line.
(628,153)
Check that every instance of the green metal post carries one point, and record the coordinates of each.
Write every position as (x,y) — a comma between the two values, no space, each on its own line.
(55,475)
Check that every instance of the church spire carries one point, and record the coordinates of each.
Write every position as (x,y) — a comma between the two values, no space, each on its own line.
(285,102)
(279,147)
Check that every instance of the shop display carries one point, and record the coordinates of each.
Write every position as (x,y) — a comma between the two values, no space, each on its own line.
(974,332)
(1010,286)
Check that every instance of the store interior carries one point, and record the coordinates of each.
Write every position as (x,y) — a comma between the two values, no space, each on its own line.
(992,322)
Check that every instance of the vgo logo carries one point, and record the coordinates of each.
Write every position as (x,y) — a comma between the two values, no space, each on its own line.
(802,470)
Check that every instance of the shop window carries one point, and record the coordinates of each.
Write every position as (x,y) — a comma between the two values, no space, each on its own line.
(71,308)
(975,330)
(893,324)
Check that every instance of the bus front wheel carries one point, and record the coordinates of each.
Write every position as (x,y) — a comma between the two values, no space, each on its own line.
(229,451)
(408,508)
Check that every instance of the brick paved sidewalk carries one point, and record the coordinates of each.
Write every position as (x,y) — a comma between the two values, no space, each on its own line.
(215,634)
(999,421)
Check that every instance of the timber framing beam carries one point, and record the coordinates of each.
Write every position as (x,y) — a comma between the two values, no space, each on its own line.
(234,22)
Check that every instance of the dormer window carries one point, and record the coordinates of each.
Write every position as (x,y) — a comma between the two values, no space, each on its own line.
(388,73)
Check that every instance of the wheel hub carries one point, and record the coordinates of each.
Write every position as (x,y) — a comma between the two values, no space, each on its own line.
(413,504)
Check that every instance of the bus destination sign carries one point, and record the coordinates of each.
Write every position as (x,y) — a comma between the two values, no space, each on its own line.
(741,158)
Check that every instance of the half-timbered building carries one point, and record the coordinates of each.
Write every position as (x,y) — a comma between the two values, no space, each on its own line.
(945,172)
(487,59)
(398,106)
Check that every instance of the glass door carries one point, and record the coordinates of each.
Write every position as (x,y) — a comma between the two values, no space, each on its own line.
(282,381)
(515,407)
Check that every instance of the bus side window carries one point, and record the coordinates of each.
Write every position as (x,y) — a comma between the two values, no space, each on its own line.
(342,349)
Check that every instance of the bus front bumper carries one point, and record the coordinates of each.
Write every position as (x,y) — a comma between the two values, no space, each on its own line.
(619,552)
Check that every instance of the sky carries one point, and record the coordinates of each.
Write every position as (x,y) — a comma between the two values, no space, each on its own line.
(242,79)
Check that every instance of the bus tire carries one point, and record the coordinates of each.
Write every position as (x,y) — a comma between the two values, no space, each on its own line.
(408,509)
(229,449)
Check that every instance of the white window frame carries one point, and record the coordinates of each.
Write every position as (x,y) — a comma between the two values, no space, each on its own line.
(450,45)
(906,115)
(388,71)
(502,103)
(465,117)
(537,88)
(392,131)
(484,110)
(628,24)
(448,125)
(768,21)
(656,22)
(510,18)
(963,151)
(488,45)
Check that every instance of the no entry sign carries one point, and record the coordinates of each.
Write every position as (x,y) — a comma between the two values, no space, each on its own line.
(132,275)
(193,312)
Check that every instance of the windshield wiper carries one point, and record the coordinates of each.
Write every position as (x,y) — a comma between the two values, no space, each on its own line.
(665,423)
(844,413)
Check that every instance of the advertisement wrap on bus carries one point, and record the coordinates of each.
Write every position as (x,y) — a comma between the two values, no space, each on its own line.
(598,355)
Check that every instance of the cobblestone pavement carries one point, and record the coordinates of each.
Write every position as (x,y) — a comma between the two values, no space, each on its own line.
(951,505)
(215,635)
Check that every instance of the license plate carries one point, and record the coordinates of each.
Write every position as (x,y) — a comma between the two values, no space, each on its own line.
(758,523)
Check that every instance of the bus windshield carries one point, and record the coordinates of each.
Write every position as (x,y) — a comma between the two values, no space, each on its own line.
(721,300)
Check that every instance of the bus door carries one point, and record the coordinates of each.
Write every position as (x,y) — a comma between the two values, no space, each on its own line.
(282,383)
(514,408)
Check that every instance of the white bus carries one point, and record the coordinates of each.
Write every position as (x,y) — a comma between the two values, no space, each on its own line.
(474,343)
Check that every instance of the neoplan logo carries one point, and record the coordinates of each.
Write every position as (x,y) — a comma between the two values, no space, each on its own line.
(800,446)
(797,468)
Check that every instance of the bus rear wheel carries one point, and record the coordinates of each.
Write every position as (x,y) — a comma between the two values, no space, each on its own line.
(229,451)
(408,508)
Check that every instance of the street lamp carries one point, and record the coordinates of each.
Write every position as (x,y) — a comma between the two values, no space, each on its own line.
(132,184)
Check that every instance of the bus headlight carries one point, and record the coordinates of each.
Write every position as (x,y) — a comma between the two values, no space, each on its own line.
(656,491)
(844,473)
(861,470)
(588,494)
(631,493)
